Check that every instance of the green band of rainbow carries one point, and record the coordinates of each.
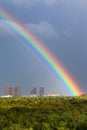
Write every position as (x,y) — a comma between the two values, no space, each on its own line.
(36,45)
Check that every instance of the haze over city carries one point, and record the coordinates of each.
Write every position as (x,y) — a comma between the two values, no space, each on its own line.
(62,27)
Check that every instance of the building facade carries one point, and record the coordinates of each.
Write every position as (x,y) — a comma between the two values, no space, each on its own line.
(14,91)
(33,91)
(41,91)
(17,91)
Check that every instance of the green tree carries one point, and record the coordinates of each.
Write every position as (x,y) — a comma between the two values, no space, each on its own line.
(45,126)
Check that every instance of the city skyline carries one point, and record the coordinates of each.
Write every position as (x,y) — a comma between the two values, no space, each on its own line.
(16,91)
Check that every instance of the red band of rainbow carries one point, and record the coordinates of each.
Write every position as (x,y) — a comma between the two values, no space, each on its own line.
(30,40)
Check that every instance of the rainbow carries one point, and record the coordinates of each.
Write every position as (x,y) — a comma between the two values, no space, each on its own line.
(37,46)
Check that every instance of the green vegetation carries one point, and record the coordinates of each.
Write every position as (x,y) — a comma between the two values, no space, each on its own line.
(43,113)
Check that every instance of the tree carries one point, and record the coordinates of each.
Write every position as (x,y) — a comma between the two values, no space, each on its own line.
(45,126)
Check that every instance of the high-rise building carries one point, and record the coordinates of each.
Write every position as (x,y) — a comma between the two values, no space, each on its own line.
(41,91)
(14,91)
(33,91)
(17,91)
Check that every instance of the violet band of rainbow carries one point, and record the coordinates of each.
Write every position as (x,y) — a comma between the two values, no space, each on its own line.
(31,41)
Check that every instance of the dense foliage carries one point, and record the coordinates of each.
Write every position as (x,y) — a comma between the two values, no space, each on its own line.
(43,113)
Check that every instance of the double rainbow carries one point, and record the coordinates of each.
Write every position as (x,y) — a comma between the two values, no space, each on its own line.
(37,46)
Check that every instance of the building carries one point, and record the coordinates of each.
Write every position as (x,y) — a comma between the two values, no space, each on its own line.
(6,96)
(51,95)
(14,91)
(11,91)
(6,90)
(17,91)
(33,91)
(41,91)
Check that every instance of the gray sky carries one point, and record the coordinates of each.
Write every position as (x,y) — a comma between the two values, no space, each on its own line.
(62,26)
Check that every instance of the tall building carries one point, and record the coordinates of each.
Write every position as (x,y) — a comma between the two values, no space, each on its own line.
(41,91)
(17,91)
(11,91)
(33,91)
(14,91)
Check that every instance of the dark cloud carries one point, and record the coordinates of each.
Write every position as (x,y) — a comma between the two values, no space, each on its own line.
(43,29)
